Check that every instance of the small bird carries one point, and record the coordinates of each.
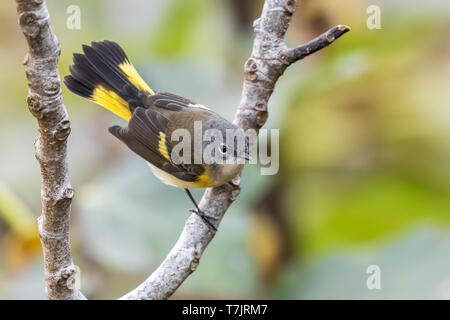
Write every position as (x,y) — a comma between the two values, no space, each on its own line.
(105,75)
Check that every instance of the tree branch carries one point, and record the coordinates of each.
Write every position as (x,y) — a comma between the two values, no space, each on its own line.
(316,44)
(269,58)
(45,103)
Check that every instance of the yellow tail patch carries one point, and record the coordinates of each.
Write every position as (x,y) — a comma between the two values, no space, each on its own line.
(111,101)
(134,77)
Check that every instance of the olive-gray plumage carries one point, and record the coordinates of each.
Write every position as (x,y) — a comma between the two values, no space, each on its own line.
(105,75)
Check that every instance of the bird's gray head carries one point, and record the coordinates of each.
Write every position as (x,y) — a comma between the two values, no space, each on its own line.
(224,143)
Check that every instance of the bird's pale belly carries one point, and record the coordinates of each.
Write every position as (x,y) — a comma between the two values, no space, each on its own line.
(227,173)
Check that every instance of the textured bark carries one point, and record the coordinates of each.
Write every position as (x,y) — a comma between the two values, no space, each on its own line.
(269,58)
(45,103)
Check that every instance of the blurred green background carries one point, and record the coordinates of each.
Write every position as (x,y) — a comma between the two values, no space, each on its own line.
(365,154)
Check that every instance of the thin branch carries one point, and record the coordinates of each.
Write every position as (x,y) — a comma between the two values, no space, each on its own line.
(316,44)
(45,103)
(269,58)
(184,257)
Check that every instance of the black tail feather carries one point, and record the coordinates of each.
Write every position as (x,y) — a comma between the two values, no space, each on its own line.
(102,66)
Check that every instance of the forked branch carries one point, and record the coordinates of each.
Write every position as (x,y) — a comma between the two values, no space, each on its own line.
(269,59)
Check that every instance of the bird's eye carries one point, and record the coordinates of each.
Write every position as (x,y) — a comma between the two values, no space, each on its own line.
(223,148)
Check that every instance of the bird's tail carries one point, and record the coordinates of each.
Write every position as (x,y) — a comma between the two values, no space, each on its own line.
(105,75)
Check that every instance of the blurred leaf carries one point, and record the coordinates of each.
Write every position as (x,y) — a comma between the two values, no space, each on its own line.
(265,242)
(15,212)
(367,209)
(176,30)
(22,243)
(364,148)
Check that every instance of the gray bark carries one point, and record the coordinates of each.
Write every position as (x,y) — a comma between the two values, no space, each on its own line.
(45,103)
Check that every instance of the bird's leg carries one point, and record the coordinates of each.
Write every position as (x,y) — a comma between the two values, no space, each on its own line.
(200,213)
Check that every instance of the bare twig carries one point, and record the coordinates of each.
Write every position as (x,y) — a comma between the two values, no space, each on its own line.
(269,58)
(316,44)
(45,103)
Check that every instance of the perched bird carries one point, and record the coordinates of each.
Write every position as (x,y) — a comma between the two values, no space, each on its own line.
(105,75)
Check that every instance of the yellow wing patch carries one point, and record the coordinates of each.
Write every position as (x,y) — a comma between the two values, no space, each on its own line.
(111,101)
(134,77)
(162,147)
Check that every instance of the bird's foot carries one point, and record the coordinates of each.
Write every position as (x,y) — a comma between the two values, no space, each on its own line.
(206,219)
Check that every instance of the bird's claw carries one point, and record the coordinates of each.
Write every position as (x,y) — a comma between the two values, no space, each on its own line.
(205,218)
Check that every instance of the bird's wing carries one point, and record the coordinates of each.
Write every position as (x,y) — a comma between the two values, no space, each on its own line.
(146,136)
(171,102)
(162,101)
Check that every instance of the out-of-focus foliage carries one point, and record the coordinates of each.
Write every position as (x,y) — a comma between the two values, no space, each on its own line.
(22,240)
(415,267)
(364,151)
(375,159)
